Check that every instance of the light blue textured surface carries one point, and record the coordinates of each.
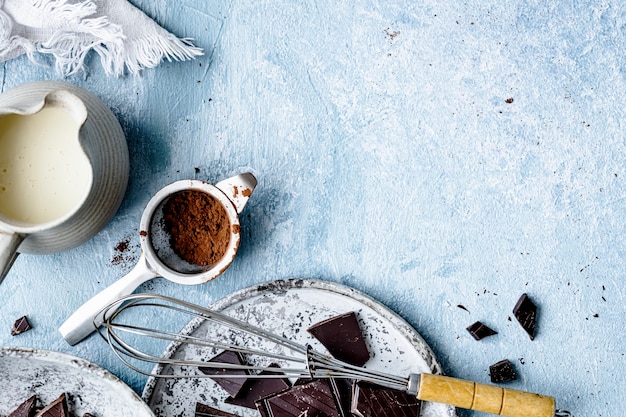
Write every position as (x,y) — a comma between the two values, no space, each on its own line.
(389,160)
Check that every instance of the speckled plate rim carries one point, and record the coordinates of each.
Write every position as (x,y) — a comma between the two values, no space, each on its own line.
(94,372)
(280,286)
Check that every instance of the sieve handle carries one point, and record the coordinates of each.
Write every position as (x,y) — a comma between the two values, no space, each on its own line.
(482,397)
(89,316)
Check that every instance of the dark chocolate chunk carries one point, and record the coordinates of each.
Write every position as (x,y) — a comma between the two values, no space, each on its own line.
(26,409)
(479,331)
(315,398)
(255,389)
(21,325)
(502,371)
(203,410)
(525,311)
(231,385)
(370,400)
(343,338)
(57,408)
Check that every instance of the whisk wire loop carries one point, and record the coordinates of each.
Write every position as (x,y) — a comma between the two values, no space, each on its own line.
(311,364)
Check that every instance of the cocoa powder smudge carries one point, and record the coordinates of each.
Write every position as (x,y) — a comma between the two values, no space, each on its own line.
(198,226)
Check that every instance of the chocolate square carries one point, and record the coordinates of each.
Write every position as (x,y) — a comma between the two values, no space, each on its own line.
(255,389)
(20,326)
(525,311)
(502,371)
(230,385)
(479,331)
(315,398)
(343,338)
(26,409)
(369,400)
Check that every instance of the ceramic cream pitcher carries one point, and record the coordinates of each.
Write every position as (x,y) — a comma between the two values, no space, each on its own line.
(63,168)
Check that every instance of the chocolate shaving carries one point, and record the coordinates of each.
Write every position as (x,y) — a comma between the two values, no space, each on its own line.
(525,311)
(479,331)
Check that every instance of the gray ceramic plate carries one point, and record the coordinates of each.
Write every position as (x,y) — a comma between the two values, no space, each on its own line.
(90,389)
(289,307)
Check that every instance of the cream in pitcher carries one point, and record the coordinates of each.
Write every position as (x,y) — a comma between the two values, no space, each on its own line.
(44,173)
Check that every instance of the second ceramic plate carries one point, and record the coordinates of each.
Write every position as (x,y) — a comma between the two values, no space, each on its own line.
(289,308)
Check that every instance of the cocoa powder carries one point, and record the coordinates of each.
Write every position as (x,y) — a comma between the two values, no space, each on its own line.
(199,227)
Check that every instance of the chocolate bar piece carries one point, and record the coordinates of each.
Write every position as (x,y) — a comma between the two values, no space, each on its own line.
(502,371)
(479,331)
(370,400)
(315,398)
(255,389)
(525,311)
(20,326)
(231,385)
(26,409)
(343,338)
(203,410)
(57,408)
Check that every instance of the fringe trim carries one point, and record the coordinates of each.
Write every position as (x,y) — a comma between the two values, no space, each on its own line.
(117,53)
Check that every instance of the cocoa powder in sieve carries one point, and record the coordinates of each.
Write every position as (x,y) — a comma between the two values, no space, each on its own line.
(198,226)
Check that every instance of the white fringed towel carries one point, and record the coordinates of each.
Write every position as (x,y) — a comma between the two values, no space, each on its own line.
(123,36)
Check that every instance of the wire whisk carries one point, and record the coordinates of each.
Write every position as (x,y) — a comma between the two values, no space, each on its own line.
(263,348)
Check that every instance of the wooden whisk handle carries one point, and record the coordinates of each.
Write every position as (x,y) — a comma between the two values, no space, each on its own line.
(485,398)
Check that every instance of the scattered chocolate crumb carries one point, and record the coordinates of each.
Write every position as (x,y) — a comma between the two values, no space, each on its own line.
(521,360)
(596,315)
(509,100)
(462,307)
(143,233)
(502,371)
(20,326)
(479,331)
(525,311)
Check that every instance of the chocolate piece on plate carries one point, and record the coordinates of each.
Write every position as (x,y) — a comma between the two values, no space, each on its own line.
(57,408)
(26,409)
(21,325)
(369,400)
(255,389)
(203,410)
(502,371)
(343,338)
(231,385)
(479,331)
(315,398)
(525,311)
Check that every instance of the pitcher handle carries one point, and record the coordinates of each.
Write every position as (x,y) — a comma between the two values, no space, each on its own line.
(238,189)
(9,242)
